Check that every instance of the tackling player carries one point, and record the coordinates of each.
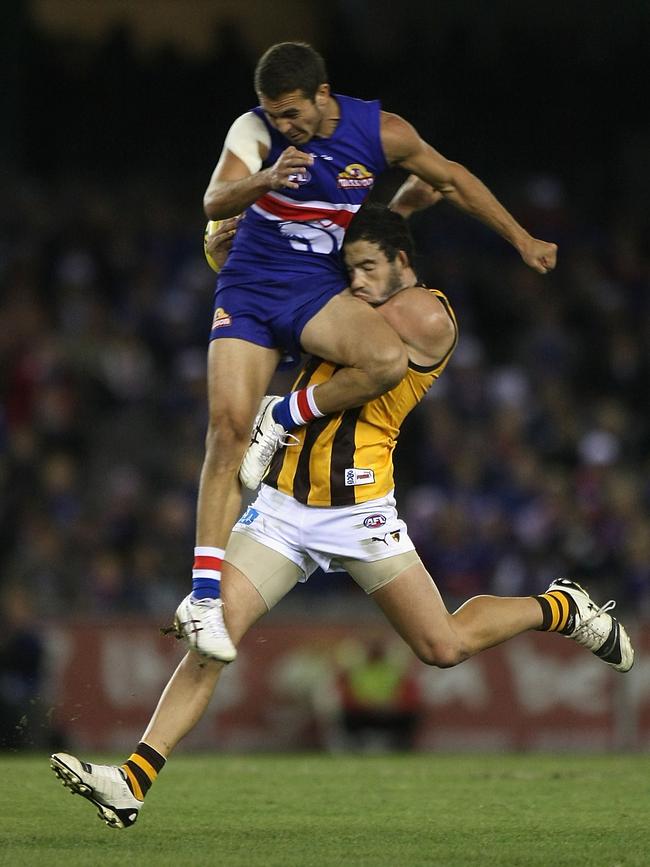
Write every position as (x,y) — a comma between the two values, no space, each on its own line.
(299,166)
(307,515)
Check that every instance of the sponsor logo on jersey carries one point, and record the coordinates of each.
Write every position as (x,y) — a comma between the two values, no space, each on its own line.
(354,476)
(221,318)
(374,521)
(249,516)
(302,176)
(355,176)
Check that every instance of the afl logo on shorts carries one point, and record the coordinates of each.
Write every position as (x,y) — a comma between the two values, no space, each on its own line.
(374,521)
(221,318)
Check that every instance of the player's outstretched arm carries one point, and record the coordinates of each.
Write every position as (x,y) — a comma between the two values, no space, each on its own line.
(404,147)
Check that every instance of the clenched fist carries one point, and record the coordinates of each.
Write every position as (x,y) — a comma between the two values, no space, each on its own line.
(290,162)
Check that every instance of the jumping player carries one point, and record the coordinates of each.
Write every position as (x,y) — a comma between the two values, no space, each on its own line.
(306,515)
(298,167)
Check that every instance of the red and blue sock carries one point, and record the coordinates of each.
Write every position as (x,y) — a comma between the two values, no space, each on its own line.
(297,409)
(206,573)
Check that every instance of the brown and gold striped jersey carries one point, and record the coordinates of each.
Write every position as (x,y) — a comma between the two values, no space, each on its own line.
(343,459)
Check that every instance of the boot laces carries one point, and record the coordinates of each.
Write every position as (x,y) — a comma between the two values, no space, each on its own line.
(213,621)
(586,633)
(275,440)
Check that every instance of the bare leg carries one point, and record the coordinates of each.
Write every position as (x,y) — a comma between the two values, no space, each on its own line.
(238,375)
(188,693)
(183,702)
(485,621)
(350,333)
(415,608)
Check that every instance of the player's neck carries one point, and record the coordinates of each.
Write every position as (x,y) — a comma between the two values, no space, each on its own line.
(409,279)
(408,282)
(331,115)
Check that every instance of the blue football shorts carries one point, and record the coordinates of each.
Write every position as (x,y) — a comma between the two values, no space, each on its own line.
(273,314)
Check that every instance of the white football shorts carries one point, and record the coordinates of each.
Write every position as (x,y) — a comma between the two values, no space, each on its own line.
(369,541)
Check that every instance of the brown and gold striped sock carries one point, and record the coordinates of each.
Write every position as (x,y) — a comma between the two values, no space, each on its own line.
(558,610)
(142,768)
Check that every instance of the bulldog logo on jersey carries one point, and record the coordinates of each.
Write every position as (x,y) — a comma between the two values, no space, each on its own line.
(221,318)
(354,177)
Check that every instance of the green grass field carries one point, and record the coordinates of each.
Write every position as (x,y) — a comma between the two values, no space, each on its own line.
(298,811)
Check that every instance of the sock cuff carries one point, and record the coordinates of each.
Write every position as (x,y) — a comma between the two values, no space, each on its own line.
(141,769)
(546,613)
(209,551)
(207,562)
(311,400)
(557,610)
(155,759)
(302,406)
(297,408)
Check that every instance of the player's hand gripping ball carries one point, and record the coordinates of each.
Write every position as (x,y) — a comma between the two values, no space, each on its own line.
(217,241)
(210,229)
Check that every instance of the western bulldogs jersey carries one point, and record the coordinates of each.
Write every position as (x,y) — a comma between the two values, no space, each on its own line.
(292,234)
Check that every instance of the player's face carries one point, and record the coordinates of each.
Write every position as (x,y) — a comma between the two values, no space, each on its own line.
(373,278)
(294,115)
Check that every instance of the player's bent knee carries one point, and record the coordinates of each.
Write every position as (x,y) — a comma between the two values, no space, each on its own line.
(227,434)
(387,368)
(439,654)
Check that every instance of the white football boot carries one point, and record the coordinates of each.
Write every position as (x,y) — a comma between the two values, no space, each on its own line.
(200,623)
(267,437)
(104,785)
(595,629)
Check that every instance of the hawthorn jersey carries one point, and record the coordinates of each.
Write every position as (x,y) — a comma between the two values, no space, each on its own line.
(345,459)
(293,234)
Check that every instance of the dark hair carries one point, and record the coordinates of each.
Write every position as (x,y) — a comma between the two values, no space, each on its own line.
(381,226)
(289,66)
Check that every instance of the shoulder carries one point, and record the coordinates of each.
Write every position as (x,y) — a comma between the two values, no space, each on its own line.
(424,321)
(399,138)
(250,124)
(249,139)
(355,102)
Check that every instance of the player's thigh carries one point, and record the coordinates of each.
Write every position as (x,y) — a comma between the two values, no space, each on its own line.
(239,373)
(414,607)
(242,603)
(347,331)
(272,573)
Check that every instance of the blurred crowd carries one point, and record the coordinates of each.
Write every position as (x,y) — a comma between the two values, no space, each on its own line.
(103,330)
(530,458)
